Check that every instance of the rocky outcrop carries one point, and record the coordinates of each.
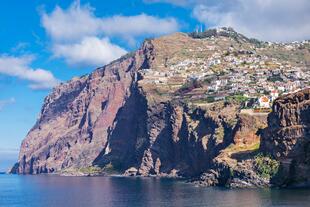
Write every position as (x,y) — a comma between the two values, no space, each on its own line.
(79,117)
(112,118)
(125,119)
(287,138)
(235,165)
(247,129)
(283,156)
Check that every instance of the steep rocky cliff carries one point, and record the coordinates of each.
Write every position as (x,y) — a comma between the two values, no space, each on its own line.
(79,118)
(288,138)
(140,115)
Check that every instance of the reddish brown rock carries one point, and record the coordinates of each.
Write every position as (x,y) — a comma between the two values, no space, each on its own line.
(287,138)
(77,119)
(247,130)
(122,119)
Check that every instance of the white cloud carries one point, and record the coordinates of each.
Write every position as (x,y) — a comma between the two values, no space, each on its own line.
(142,24)
(78,27)
(4,103)
(19,67)
(90,51)
(273,20)
(177,2)
(77,21)
(72,24)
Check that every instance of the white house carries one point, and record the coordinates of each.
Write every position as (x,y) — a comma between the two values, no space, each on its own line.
(264,102)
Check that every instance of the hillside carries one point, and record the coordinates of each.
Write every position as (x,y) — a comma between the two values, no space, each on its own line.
(184,105)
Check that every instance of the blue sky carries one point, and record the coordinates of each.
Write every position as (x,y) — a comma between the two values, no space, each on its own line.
(23,36)
(46,42)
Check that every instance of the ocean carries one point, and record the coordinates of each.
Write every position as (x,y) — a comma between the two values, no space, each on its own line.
(57,191)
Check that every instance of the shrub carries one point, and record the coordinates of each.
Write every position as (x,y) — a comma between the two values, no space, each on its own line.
(111,169)
(190,85)
(237,98)
(92,170)
(266,166)
(210,99)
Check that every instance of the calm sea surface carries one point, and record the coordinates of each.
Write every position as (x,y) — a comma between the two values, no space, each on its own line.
(45,191)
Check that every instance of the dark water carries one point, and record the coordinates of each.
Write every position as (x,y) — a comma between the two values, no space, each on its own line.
(57,191)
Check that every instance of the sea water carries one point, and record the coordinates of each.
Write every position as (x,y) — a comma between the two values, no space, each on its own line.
(57,191)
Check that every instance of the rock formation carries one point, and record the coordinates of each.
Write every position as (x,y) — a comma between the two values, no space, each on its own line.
(123,118)
(288,138)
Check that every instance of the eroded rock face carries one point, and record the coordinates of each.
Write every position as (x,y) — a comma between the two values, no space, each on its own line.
(114,118)
(77,119)
(247,129)
(288,138)
(121,119)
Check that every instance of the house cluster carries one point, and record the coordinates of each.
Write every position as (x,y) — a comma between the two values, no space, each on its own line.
(255,77)
(230,72)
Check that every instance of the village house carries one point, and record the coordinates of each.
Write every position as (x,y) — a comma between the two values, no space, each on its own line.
(263,102)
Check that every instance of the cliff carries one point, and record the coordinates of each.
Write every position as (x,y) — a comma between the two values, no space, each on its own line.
(147,114)
(288,138)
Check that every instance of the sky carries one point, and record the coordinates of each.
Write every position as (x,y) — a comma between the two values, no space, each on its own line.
(46,42)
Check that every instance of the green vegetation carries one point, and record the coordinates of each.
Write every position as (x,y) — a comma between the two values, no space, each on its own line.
(275,78)
(257,43)
(231,172)
(220,73)
(232,122)
(110,169)
(233,148)
(210,99)
(208,80)
(92,170)
(190,85)
(206,34)
(237,98)
(219,134)
(266,166)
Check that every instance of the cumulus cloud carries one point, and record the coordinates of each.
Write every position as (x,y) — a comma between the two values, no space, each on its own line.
(4,103)
(90,51)
(19,67)
(274,20)
(178,2)
(271,20)
(76,22)
(78,27)
(72,24)
(142,24)
(191,3)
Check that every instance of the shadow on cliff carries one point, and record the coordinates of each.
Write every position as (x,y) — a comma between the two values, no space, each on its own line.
(128,139)
(294,169)
(192,150)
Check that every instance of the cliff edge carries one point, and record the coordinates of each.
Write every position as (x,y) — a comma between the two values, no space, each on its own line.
(151,113)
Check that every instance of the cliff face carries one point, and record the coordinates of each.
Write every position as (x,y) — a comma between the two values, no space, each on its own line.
(139,115)
(288,138)
(78,117)
(113,117)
